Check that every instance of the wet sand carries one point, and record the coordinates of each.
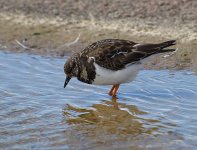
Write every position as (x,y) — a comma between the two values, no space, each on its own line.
(51,28)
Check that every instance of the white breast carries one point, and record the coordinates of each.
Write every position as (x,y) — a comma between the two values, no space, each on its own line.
(109,77)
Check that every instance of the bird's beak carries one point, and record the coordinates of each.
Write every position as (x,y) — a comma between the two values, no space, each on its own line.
(66,81)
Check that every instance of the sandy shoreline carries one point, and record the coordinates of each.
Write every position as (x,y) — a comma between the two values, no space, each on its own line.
(54,35)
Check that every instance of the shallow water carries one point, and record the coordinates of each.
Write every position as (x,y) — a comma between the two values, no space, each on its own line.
(156,111)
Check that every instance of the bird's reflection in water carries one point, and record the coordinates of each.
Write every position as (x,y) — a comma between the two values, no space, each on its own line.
(108,117)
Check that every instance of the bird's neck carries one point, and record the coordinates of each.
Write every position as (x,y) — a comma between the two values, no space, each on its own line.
(85,70)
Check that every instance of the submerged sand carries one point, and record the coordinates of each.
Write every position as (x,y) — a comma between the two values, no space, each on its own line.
(64,27)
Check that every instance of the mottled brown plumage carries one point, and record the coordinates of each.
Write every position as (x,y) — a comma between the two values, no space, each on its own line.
(114,54)
(111,54)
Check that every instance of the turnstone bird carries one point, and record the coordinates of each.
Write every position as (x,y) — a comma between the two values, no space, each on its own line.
(111,62)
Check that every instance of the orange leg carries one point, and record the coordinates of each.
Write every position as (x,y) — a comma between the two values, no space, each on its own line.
(111,91)
(114,90)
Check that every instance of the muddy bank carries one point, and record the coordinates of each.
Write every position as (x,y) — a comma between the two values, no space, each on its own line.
(156,11)
(51,28)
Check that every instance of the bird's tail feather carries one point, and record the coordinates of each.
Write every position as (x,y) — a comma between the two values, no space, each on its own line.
(167,44)
(168,50)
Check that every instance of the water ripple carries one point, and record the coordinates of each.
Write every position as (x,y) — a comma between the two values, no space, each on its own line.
(156,111)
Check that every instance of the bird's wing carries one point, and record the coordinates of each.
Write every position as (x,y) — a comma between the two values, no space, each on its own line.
(115,54)
(110,53)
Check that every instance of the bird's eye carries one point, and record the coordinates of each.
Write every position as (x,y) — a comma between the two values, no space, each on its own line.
(67,68)
(70,66)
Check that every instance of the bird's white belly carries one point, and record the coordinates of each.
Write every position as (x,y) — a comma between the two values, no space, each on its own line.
(109,77)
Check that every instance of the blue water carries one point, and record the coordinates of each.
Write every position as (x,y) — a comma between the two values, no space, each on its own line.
(156,111)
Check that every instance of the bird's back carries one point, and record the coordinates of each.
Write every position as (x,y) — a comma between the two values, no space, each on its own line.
(115,54)
(106,46)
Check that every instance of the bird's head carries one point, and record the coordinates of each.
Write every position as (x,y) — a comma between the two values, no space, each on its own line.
(70,69)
